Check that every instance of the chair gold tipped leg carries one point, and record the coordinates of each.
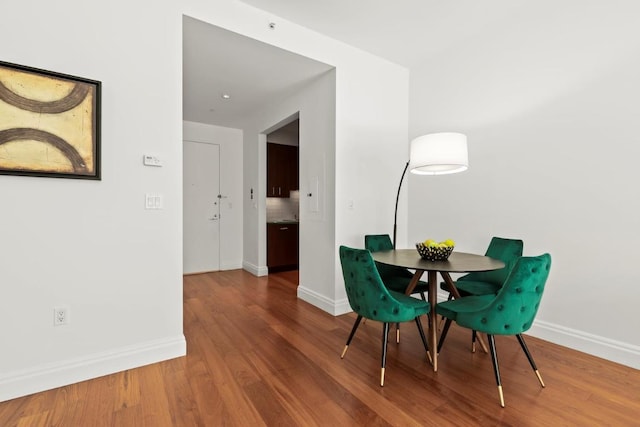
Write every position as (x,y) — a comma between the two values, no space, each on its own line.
(483,345)
(501,396)
(473,347)
(397,336)
(540,378)
(382,377)
(346,347)
(429,358)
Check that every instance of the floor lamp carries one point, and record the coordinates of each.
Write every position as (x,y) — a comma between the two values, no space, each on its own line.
(434,154)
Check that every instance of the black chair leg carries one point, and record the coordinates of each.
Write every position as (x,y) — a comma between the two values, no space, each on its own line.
(423,337)
(385,339)
(443,335)
(531,362)
(422,296)
(353,332)
(496,369)
(474,336)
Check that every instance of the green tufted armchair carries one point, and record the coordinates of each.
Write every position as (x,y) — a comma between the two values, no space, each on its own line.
(394,278)
(510,312)
(489,282)
(369,298)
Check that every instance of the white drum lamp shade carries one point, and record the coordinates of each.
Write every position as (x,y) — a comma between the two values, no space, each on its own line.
(439,154)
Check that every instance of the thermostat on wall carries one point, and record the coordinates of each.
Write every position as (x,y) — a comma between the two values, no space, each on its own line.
(151,160)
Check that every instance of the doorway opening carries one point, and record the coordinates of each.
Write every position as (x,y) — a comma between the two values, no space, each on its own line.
(283,198)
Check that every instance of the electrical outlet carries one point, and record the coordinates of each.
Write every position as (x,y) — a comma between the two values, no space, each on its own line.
(60,316)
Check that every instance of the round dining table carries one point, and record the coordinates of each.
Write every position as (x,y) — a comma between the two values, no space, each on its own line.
(458,262)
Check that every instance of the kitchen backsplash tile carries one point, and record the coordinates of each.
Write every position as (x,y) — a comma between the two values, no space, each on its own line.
(279,208)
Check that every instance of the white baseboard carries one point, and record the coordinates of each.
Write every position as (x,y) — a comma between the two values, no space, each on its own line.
(606,348)
(333,307)
(341,307)
(230,265)
(53,375)
(251,268)
(254,269)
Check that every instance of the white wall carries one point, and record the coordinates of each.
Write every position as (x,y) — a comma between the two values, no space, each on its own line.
(371,131)
(91,245)
(315,104)
(231,207)
(549,101)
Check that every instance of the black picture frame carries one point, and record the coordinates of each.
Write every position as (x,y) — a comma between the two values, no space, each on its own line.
(49,123)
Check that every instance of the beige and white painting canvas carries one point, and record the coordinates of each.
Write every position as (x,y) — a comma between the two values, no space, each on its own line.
(48,123)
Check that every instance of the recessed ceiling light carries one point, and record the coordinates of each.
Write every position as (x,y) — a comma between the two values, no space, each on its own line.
(226,96)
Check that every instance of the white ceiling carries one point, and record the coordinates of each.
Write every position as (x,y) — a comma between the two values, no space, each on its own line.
(217,61)
(403,31)
(406,32)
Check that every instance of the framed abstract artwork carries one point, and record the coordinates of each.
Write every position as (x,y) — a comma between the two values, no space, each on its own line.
(49,124)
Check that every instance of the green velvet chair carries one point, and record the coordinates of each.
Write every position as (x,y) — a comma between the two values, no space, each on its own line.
(489,282)
(370,299)
(394,278)
(510,312)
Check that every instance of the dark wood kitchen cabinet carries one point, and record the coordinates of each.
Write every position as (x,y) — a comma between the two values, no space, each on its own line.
(282,246)
(282,170)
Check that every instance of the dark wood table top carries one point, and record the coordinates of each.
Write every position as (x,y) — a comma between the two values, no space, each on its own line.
(458,262)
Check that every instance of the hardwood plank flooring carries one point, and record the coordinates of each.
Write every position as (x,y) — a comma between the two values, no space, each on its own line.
(258,356)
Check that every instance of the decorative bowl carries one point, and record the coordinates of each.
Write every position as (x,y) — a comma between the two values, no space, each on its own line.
(434,253)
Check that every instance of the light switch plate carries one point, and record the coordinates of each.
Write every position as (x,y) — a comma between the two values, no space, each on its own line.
(153,201)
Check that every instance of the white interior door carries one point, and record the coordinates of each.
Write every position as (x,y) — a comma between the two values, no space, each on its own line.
(201,207)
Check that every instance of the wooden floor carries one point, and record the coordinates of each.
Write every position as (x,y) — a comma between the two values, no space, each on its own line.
(259,356)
